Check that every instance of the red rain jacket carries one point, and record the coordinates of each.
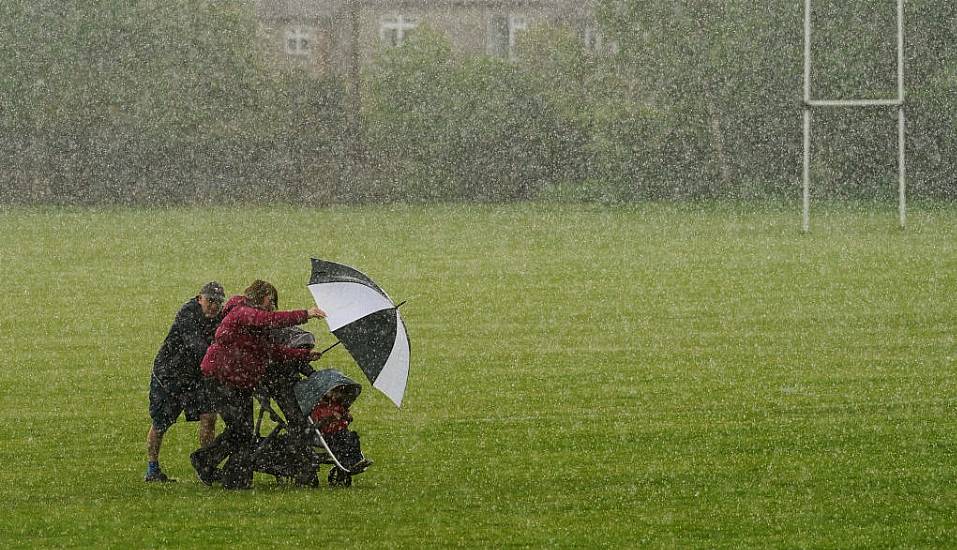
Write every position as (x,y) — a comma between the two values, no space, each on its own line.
(241,350)
(331,416)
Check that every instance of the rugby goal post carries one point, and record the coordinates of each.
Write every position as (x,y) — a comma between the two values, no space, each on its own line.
(810,104)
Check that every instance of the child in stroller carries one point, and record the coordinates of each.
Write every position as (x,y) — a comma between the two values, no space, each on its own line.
(327,395)
(332,418)
(295,447)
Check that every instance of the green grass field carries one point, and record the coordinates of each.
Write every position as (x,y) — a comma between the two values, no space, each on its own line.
(652,376)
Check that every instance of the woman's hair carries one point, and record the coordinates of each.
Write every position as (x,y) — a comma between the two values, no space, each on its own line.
(258,291)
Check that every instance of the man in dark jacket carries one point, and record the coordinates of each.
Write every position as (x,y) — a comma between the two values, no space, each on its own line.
(177,384)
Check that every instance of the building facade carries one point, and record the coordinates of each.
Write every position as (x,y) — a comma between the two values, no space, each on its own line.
(340,36)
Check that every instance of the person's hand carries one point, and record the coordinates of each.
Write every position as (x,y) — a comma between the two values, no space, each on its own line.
(316,313)
(315,355)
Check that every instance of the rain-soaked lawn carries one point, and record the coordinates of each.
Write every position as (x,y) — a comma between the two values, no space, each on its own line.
(582,376)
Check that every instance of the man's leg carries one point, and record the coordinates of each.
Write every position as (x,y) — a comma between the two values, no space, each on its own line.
(238,418)
(154,440)
(207,429)
(163,412)
(213,449)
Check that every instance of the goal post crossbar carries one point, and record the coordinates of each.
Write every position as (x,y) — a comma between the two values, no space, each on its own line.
(854,102)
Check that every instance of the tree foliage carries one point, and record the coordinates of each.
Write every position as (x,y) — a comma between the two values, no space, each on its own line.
(148,101)
(732,76)
(450,128)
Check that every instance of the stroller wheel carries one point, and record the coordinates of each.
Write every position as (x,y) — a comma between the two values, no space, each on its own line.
(339,477)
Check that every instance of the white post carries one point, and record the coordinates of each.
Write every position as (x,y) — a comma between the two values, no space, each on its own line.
(806,223)
(898,101)
(807,51)
(901,186)
(806,220)
(900,51)
(901,144)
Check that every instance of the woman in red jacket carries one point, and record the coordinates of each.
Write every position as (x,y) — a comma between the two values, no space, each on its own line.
(233,365)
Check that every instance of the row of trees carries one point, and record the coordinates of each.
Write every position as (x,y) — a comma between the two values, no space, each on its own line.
(173,102)
(698,100)
(146,102)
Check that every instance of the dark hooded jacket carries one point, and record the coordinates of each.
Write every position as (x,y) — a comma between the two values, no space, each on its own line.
(243,349)
(176,365)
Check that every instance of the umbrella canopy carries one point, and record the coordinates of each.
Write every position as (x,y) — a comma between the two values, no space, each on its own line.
(363,317)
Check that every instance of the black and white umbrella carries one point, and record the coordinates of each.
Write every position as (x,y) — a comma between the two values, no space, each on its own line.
(363,317)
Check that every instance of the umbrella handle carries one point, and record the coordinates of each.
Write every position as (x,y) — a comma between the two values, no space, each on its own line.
(323,352)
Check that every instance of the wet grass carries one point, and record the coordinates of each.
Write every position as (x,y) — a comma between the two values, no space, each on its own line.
(678,376)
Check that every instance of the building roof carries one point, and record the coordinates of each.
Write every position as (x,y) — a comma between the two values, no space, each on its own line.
(304,9)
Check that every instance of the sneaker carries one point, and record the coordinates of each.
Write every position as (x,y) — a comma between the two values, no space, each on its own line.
(206,474)
(361,466)
(237,485)
(158,477)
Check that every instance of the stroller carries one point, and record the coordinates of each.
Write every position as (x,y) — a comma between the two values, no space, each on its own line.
(295,448)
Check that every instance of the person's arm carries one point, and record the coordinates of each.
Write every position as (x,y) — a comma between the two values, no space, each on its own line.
(278,354)
(253,317)
(188,326)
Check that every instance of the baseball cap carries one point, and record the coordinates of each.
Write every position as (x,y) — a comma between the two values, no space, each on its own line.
(214,291)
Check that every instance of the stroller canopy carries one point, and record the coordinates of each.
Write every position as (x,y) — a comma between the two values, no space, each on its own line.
(310,390)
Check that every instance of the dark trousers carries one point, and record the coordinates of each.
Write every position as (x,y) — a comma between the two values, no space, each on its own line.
(236,443)
(297,444)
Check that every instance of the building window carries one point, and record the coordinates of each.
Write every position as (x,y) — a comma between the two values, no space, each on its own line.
(593,39)
(503,33)
(396,29)
(298,41)
(596,43)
